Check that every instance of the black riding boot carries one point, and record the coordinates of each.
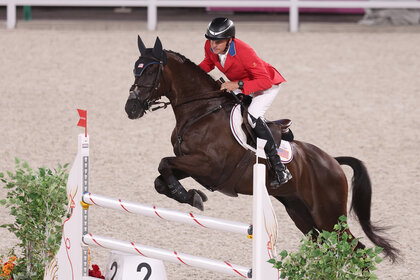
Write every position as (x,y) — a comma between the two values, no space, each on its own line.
(282,173)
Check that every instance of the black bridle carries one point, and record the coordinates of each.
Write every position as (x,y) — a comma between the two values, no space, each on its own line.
(135,88)
(148,103)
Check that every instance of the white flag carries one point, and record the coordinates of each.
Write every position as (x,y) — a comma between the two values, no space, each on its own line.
(260,148)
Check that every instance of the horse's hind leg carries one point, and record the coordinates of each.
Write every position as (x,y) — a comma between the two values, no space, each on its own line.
(327,217)
(299,213)
(303,219)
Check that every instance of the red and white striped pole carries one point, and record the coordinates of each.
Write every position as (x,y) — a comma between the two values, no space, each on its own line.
(166,255)
(167,214)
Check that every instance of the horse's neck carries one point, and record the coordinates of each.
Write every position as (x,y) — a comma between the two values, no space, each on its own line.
(187,78)
(188,83)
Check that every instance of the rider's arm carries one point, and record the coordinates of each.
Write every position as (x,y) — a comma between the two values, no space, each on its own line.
(259,79)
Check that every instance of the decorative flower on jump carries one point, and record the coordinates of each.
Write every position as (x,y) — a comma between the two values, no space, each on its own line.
(7,268)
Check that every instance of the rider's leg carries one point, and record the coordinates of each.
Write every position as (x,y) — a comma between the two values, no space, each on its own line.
(260,103)
(282,173)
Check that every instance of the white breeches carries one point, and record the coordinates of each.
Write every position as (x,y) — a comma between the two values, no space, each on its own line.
(261,101)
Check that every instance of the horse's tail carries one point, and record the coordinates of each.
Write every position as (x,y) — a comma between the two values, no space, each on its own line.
(361,204)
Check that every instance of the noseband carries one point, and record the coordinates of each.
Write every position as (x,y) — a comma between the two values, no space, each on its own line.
(135,88)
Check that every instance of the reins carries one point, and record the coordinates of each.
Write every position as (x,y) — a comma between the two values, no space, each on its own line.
(203,96)
(156,83)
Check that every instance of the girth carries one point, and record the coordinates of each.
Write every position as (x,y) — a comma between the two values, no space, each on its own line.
(229,185)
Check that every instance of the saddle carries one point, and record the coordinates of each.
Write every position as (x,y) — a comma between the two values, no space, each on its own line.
(245,136)
(282,124)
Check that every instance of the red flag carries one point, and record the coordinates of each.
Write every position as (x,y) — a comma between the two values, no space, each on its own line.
(83,119)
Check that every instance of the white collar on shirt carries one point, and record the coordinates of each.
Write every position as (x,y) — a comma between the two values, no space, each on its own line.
(222,58)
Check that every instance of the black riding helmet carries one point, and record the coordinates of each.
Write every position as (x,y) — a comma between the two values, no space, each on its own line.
(220,28)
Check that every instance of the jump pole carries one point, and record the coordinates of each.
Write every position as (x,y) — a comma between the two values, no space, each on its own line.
(167,214)
(72,260)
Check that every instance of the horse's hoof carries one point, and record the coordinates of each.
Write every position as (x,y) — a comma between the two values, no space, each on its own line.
(203,196)
(197,200)
(161,187)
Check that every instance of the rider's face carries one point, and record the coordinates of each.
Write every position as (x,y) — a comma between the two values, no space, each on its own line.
(218,46)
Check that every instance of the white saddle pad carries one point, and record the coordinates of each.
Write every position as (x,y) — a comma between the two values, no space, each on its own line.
(285,150)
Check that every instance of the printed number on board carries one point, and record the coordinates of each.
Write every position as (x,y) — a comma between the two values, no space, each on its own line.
(148,268)
(139,269)
(114,264)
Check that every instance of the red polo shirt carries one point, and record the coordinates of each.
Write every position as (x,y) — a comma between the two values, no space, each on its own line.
(242,63)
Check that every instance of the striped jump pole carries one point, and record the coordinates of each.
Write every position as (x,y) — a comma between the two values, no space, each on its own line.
(72,259)
(167,214)
(169,256)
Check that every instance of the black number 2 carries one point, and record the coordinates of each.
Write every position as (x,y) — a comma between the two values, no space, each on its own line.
(114,264)
(149,270)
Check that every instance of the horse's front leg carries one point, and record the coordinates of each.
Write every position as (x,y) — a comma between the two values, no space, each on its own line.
(163,188)
(173,169)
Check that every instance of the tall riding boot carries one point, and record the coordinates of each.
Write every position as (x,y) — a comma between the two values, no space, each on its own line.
(282,173)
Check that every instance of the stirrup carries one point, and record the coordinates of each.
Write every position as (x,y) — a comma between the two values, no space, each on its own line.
(281,178)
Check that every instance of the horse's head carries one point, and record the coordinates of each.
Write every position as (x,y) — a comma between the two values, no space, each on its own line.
(148,72)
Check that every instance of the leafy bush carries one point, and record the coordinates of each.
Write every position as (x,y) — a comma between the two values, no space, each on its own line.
(37,199)
(329,256)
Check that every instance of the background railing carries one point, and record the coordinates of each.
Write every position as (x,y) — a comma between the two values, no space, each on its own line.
(153,5)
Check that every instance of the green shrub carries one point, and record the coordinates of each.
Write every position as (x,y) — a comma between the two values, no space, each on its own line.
(37,199)
(329,256)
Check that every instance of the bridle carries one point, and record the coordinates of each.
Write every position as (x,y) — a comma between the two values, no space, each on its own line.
(146,105)
(135,88)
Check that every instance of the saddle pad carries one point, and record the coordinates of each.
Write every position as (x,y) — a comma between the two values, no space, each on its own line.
(285,150)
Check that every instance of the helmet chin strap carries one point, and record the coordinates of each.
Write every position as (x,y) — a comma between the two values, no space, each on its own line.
(227,45)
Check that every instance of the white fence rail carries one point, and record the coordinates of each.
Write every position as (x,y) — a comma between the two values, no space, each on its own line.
(167,214)
(168,256)
(153,5)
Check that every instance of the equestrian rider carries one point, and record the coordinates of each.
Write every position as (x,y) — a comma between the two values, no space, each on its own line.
(250,75)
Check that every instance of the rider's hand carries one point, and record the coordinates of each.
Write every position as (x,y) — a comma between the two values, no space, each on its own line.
(229,86)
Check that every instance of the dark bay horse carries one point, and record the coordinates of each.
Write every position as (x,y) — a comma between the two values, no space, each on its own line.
(206,151)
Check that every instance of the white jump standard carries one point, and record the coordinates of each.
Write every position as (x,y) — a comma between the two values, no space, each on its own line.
(72,260)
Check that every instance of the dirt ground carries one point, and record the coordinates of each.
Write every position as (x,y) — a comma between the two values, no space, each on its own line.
(350,90)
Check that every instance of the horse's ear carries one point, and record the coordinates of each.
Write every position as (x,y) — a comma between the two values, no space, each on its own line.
(157,49)
(141,45)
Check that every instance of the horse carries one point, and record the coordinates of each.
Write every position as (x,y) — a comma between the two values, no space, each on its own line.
(206,151)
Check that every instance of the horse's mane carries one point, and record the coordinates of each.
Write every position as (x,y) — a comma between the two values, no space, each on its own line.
(197,68)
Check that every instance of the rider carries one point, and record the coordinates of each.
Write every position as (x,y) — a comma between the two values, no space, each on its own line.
(250,75)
